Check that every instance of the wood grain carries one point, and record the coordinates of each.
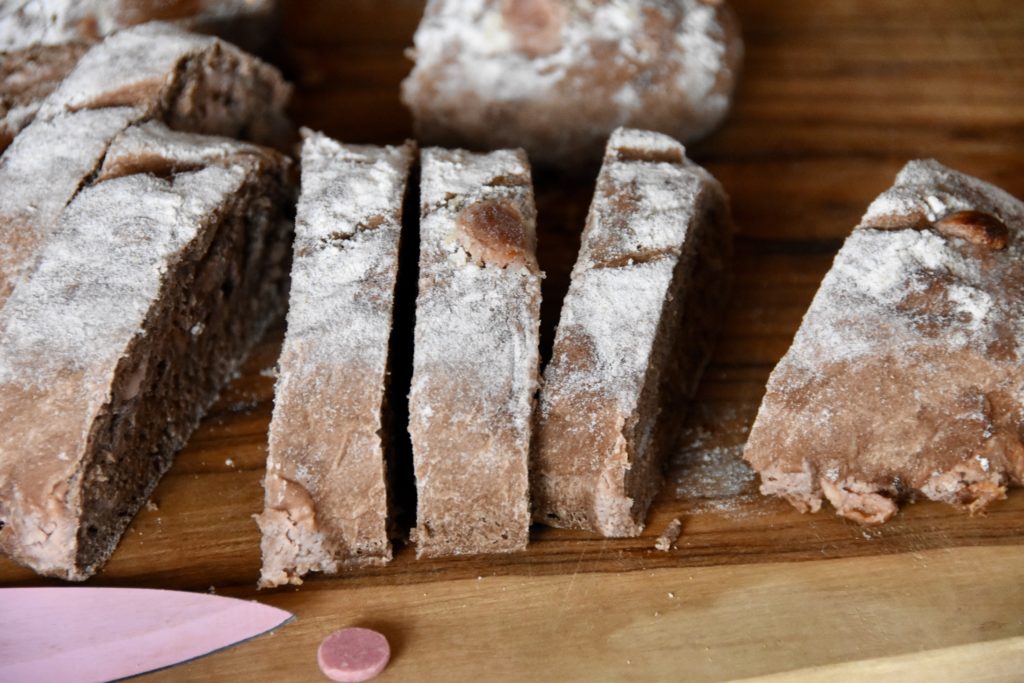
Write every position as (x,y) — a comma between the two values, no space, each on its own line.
(836,96)
(699,624)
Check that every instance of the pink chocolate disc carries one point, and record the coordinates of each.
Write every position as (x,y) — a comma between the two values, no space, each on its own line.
(352,655)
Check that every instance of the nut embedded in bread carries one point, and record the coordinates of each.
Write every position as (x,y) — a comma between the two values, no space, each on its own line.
(146,297)
(905,376)
(636,329)
(476,353)
(326,485)
(557,77)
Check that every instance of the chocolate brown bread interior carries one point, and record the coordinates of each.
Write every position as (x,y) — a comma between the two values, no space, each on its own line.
(636,329)
(27,77)
(476,353)
(159,277)
(153,72)
(905,377)
(327,495)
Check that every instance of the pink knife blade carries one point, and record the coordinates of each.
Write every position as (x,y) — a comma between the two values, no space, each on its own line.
(102,634)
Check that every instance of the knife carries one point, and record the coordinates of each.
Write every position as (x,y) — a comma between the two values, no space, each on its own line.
(102,634)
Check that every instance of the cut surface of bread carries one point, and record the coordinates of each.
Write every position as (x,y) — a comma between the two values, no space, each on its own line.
(636,329)
(476,353)
(326,487)
(906,378)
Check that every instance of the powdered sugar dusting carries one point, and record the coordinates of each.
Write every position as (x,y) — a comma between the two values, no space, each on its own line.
(710,473)
(63,151)
(68,138)
(474,323)
(928,188)
(638,223)
(617,310)
(503,72)
(476,358)
(145,54)
(152,139)
(348,229)
(869,302)
(477,36)
(703,43)
(78,312)
(30,22)
(714,472)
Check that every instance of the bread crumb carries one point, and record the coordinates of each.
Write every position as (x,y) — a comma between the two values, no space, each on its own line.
(229,462)
(671,594)
(669,536)
(151,506)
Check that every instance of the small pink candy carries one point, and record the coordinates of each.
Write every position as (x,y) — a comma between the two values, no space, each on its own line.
(353,655)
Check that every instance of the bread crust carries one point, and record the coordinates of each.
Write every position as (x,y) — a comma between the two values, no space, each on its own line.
(27,77)
(327,492)
(557,77)
(153,72)
(905,377)
(476,353)
(246,23)
(147,296)
(636,330)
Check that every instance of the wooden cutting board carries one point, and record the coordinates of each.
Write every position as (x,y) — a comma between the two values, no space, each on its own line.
(836,96)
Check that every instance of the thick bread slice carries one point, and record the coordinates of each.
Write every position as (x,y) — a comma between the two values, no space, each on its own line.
(636,329)
(327,471)
(476,353)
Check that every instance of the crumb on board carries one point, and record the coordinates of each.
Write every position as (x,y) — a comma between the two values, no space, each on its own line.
(151,506)
(669,536)
(229,462)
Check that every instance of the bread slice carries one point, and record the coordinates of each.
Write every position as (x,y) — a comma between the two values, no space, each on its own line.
(160,276)
(152,72)
(476,353)
(27,77)
(636,330)
(327,472)
(905,377)
(558,77)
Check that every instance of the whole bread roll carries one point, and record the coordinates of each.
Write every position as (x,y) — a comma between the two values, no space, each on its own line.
(557,77)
